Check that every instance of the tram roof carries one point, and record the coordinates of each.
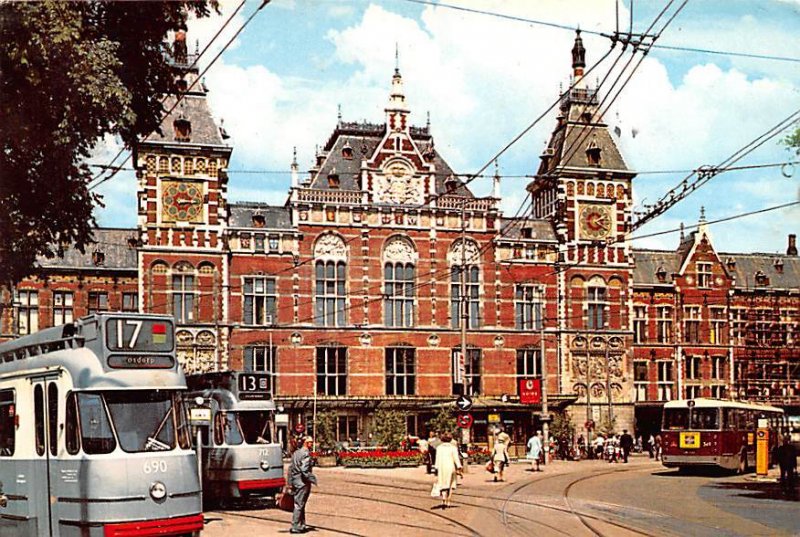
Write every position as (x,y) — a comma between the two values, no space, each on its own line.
(702,402)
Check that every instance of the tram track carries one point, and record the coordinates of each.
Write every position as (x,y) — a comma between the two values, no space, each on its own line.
(281,521)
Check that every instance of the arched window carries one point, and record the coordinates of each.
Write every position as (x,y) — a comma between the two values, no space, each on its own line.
(183,288)
(399,273)
(469,296)
(330,272)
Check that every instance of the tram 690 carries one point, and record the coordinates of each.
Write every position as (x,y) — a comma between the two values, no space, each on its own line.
(241,455)
(94,439)
(711,432)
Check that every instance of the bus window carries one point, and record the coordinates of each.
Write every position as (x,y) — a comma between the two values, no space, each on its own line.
(52,417)
(72,433)
(96,434)
(226,429)
(256,426)
(38,417)
(706,419)
(676,418)
(7,427)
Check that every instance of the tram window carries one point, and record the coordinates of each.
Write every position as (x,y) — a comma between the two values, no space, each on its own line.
(7,426)
(72,433)
(52,417)
(184,431)
(676,418)
(730,419)
(705,418)
(226,429)
(256,426)
(96,434)
(144,420)
(38,417)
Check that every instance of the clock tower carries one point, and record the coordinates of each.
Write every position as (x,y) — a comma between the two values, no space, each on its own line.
(583,187)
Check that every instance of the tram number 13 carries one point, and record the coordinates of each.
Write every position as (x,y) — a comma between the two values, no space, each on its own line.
(155,467)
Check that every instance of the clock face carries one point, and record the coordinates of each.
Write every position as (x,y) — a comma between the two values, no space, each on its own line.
(181,201)
(595,222)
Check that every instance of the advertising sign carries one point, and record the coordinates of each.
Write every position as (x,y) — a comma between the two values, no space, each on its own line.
(690,440)
(530,391)
(762,452)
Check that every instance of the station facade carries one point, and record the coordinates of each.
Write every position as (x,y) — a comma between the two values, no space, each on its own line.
(351,295)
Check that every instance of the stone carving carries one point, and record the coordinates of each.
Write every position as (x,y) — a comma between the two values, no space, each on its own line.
(598,391)
(206,338)
(499,341)
(296,338)
(398,184)
(472,253)
(365,340)
(433,340)
(330,246)
(580,390)
(616,391)
(184,337)
(399,250)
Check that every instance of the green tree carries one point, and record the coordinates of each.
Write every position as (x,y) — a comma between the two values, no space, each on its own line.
(608,425)
(561,427)
(71,73)
(389,428)
(793,140)
(443,421)
(325,433)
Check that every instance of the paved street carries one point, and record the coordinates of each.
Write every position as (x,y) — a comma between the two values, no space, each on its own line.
(576,499)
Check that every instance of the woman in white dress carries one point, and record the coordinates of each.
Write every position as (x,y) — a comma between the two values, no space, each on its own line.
(448,466)
(535,451)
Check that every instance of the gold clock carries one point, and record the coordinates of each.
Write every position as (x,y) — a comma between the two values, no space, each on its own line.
(181,201)
(595,222)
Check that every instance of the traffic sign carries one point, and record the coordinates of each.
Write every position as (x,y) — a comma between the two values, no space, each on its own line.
(464,403)
(299,428)
(464,421)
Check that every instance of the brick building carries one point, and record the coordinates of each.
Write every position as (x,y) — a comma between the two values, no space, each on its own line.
(353,293)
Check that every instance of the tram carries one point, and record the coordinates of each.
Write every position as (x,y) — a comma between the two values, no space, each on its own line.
(94,439)
(711,432)
(241,454)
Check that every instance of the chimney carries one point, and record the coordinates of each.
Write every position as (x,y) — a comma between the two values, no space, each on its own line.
(792,249)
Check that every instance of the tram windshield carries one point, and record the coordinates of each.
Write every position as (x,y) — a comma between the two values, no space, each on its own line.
(256,426)
(147,420)
(226,429)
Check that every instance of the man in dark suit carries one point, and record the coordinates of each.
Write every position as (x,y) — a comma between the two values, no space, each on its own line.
(301,478)
(626,443)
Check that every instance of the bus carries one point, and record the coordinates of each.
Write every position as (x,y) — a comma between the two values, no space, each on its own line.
(241,455)
(712,432)
(94,438)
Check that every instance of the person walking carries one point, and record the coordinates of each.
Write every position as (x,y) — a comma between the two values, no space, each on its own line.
(448,466)
(626,443)
(786,455)
(422,445)
(535,451)
(657,447)
(500,454)
(433,443)
(301,478)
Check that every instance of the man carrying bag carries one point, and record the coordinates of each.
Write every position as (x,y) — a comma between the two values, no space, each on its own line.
(301,478)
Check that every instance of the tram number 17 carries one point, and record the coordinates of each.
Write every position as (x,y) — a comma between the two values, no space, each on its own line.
(137,327)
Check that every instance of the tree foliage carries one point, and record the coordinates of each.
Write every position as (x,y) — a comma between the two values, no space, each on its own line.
(325,431)
(389,428)
(561,427)
(71,73)
(443,421)
(793,140)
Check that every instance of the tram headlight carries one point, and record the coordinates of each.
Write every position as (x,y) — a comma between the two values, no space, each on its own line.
(158,491)
(264,465)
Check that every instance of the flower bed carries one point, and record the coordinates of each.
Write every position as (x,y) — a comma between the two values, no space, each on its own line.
(478,456)
(379,459)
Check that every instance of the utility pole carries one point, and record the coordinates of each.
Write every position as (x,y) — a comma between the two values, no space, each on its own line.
(545,412)
(464,302)
(608,385)
(588,394)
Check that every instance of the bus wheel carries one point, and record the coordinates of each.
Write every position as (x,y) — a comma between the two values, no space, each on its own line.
(743,464)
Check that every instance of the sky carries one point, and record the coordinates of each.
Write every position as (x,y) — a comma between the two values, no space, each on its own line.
(484,79)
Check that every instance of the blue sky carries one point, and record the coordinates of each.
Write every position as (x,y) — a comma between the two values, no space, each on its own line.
(484,79)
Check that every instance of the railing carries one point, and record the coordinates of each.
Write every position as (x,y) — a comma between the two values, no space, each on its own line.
(330,196)
(472,204)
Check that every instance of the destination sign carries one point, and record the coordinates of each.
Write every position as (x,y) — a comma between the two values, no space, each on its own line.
(253,386)
(143,335)
(119,361)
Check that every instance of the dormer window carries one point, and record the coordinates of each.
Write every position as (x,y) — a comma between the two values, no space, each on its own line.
(661,274)
(181,85)
(333,180)
(347,152)
(133,243)
(527,233)
(450,184)
(258,220)
(730,263)
(593,153)
(761,278)
(778,264)
(183,129)
(586,117)
(98,258)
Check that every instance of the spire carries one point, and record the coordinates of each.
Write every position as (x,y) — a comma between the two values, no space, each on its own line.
(397,109)
(496,181)
(702,215)
(339,114)
(396,58)
(295,168)
(578,55)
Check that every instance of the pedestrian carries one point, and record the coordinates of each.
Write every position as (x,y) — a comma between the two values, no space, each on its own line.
(651,446)
(535,451)
(599,444)
(422,445)
(657,448)
(626,443)
(638,447)
(611,449)
(786,455)
(433,443)
(500,453)
(301,478)
(448,466)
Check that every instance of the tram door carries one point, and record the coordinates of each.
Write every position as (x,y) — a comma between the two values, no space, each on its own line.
(46,393)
